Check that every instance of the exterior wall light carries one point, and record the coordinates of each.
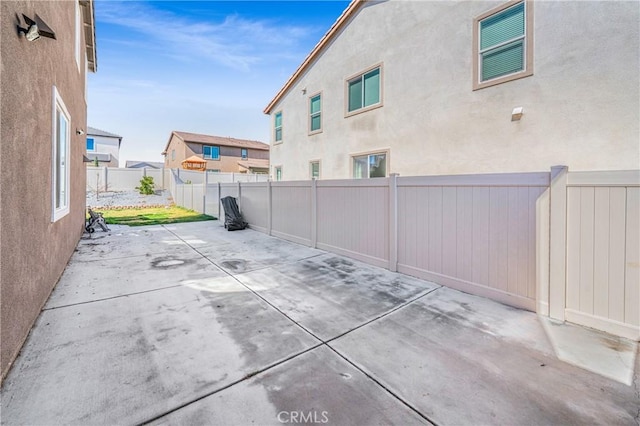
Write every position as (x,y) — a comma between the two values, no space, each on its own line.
(516,114)
(35,29)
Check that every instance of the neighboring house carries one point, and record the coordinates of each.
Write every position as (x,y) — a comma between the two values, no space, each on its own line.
(130,164)
(223,154)
(104,146)
(451,87)
(42,179)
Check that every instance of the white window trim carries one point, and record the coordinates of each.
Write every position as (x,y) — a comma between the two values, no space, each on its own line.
(361,74)
(311,163)
(210,157)
(59,213)
(244,157)
(275,173)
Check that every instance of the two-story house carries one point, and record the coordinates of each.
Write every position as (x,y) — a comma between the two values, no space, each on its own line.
(103,146)
(451,87)
(221,154)
(45,62)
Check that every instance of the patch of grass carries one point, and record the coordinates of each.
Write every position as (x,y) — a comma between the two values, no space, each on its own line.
(152,216)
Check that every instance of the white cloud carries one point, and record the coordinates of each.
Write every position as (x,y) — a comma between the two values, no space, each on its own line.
(235,42)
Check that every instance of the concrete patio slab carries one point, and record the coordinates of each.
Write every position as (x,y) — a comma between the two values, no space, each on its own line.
(102,279)
(330,295)
(462,365)
(239,252)
(125,360)
(171,337)
(316,387)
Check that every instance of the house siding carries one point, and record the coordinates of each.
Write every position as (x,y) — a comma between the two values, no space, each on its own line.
(34,251)
(107,145)
(580,104)
(229,155)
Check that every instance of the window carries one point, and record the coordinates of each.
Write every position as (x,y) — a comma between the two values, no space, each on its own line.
(363,91)
(60,158)
(173,154)
(370,165)
(315,114)
(314,169)
(277,122)
(91,145)
(244,153)
(278,172)
(211,152)
(503,45)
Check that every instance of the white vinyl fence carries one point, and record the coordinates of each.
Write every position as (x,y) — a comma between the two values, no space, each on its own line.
(566,245)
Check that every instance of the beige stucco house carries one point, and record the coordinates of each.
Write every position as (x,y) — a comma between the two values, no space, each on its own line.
(43,177)
(222,154)
(451,87)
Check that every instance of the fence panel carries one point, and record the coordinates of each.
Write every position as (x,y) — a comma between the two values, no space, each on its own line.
(603,251)
(158,178)
(96,179)
(291,211)
(255,205)
(476,233)
(123,179)
(353,219)
(212,207)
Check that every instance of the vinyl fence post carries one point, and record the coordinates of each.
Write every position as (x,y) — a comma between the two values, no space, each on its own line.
(239,196)
(558,242)
(269,207)
(219,202)
(106,179)
(314,213)
(393,222)
(144,172)
(204,192)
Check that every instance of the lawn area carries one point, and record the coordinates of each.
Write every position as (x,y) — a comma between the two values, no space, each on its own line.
(152,216)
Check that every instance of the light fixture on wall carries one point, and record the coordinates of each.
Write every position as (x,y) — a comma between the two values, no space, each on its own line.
(516,114)
(79,132)
(35,29)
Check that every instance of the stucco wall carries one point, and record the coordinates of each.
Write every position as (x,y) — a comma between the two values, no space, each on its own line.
(580,106)
(34,251)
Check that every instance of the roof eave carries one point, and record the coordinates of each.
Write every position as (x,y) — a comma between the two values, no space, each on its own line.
(340,22)
(89,23)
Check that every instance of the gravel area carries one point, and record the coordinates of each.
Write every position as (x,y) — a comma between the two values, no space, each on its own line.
(114,199)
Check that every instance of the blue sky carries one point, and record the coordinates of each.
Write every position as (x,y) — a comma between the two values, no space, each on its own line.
(198,66)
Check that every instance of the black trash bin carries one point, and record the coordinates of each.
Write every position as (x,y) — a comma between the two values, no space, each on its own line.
(233,220)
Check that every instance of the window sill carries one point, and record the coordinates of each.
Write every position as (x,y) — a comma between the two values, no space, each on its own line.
(500,80)
(315,132)
(277,143)
(361,110)
(59,214)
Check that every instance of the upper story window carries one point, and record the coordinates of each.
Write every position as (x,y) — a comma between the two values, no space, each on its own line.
(277,126)
(173,154)
(364,91)
(91,144)
(60,158)
(370,165)
(211,152)
(244,153)
(315,113)
(503,44)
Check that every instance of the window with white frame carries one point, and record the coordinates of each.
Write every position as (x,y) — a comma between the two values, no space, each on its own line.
(211,152)
(503,44)
(315,113)
(363,91)
(277,126)
(277,171)
(314,169)
(370,165)
(244,153)
(60,158)
(91,144)
(173,154)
